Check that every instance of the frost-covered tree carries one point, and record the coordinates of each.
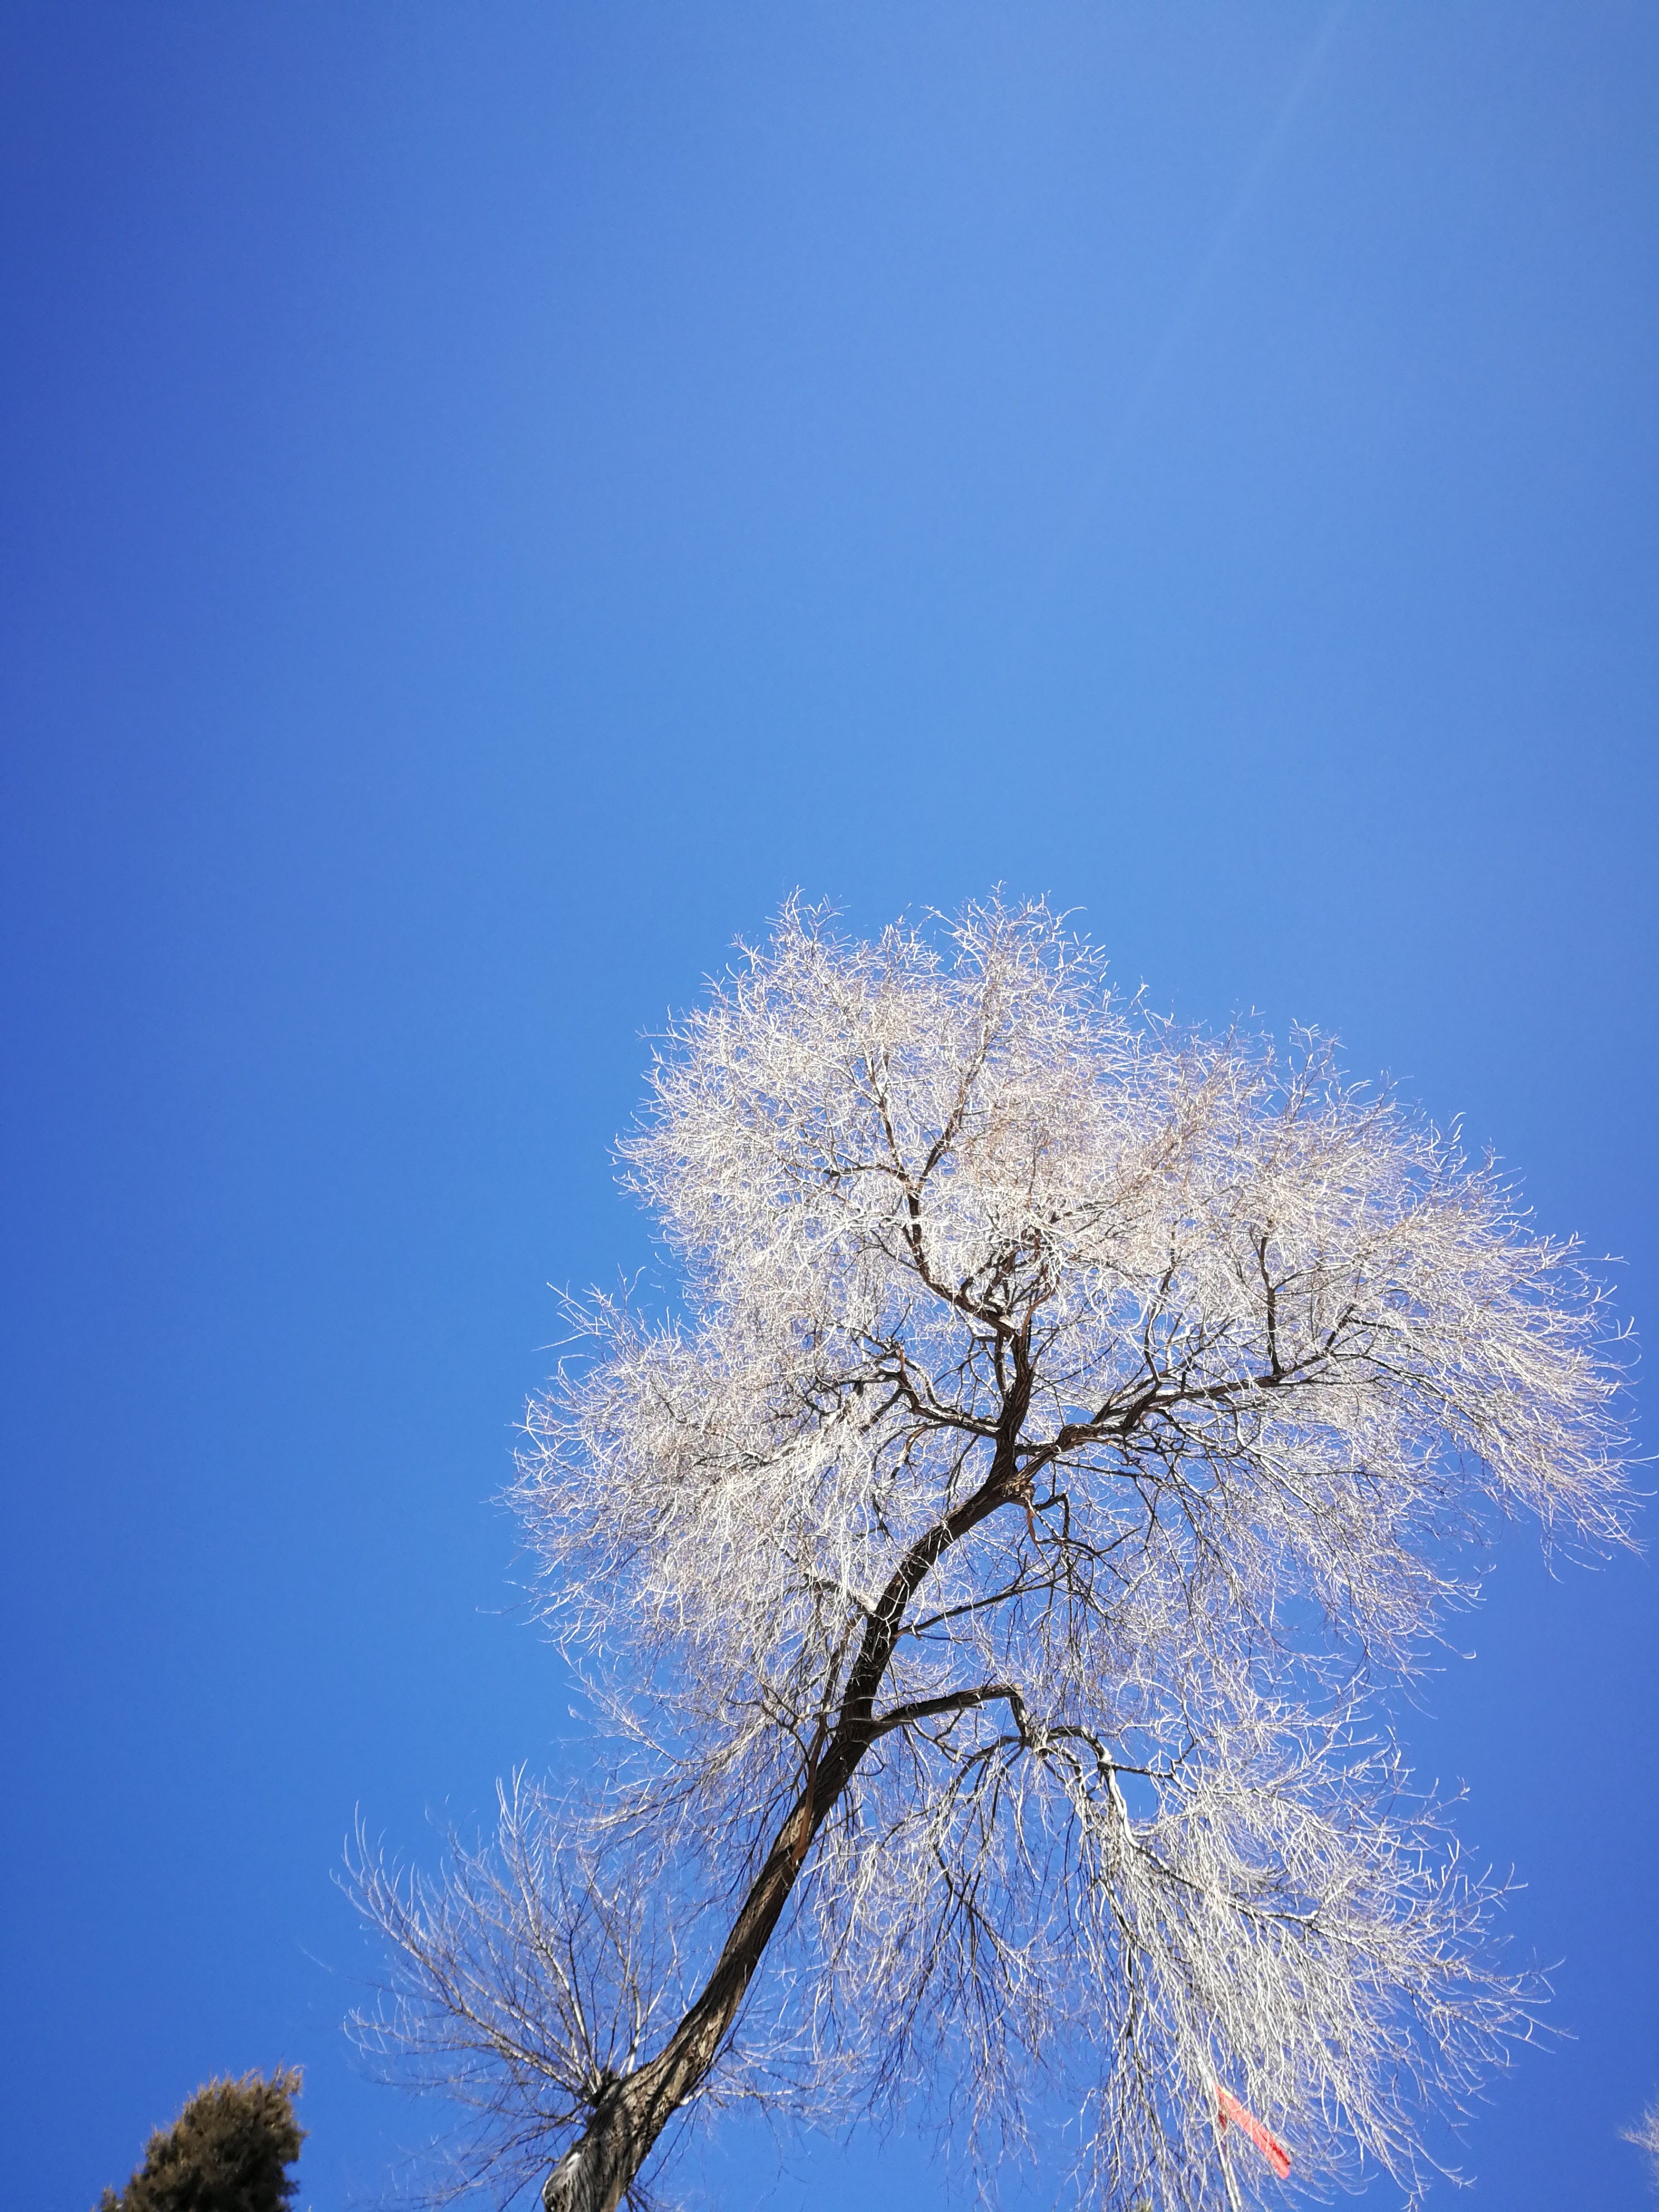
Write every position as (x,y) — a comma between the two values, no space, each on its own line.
(992,1571)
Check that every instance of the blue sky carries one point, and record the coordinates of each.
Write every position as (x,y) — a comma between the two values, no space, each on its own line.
(496,496)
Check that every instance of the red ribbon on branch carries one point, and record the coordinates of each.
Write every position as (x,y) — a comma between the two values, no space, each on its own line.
(1229,2108)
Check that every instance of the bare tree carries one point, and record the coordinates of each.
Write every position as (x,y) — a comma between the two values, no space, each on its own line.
(990,1574)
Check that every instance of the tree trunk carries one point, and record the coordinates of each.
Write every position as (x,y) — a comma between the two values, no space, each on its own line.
(596,2173)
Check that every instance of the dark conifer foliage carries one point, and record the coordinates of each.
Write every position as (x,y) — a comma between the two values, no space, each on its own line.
(229,2151)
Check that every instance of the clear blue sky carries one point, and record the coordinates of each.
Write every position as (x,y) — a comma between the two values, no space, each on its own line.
(496,495)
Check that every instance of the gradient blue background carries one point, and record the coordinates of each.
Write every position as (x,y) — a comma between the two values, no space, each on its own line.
(496,495)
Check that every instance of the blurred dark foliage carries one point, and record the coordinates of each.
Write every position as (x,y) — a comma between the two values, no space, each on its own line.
(229,2151)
